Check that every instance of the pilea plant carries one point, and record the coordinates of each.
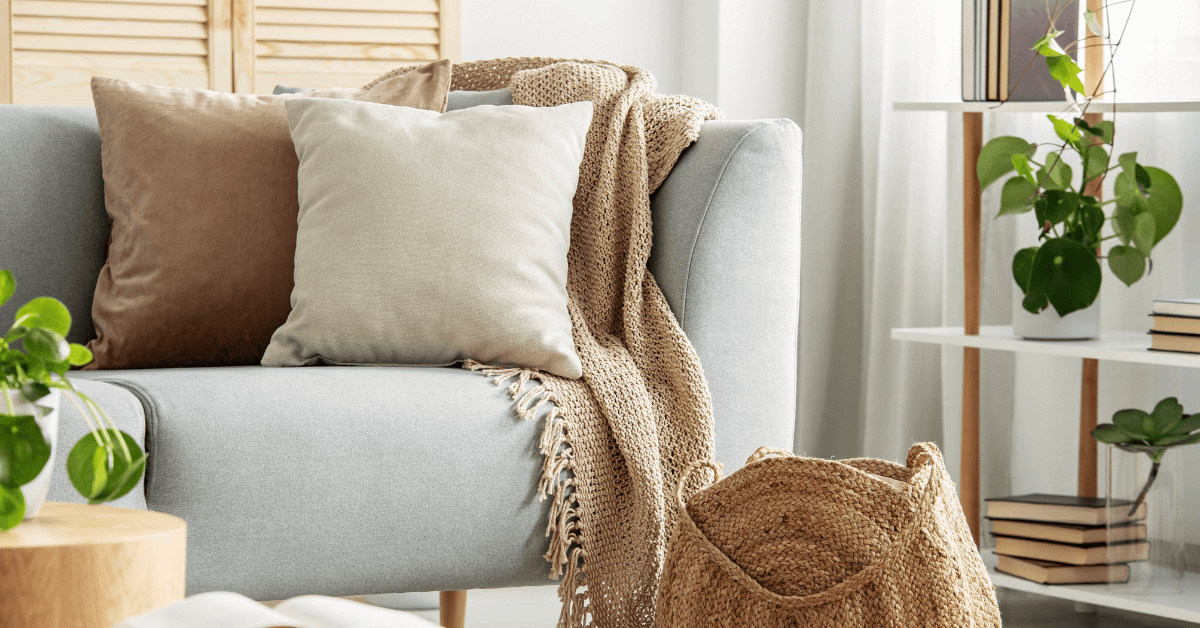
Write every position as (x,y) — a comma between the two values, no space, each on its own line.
(1151,433)
(34,359)
(1063,270)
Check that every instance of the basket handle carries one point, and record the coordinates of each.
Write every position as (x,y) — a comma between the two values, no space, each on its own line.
(920,455)
(718,473)
(763,452)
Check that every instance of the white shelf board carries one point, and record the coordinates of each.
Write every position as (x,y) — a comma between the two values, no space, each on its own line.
(1057,106)
(1182,606)
(1111,346)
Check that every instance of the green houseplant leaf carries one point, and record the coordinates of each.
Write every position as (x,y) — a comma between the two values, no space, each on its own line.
(50,313)
(1163,199)
(1057,207)
(12,507)
(1065,131)
(1067,273)
(1056,174)
(8,285)
(47,344)
(1167,414)
(1127,263)
(1095,161)
(1021,165)
(1063,68)
(23,450)
(101,475)
(1017,196)
(1132,421)
(1022,267)
(996,158)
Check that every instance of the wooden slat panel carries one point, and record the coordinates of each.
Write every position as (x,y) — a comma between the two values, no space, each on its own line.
(328,66)
(194,3)
(267,49)
(6,52)
(416,6)
(109,61)
(142,45)
(345,18)
(243,46)
(220,45)
(109,10)
(108,28)
(450,30)
(71,86)
(272,32)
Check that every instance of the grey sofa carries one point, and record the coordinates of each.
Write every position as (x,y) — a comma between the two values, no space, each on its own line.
(357,480)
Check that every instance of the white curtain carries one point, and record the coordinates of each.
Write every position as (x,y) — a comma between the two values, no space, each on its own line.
(882,245)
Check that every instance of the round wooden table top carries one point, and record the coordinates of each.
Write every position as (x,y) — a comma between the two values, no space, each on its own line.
(90,566)
(60,524)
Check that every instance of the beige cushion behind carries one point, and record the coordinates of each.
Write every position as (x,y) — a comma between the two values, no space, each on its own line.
(201,190)
(426,239)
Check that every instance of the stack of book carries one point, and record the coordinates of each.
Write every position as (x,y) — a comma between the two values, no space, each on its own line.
(1176,325)
(1063,539)
(998,62)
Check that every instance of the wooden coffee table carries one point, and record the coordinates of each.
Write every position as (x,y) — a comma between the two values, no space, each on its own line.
(89,566)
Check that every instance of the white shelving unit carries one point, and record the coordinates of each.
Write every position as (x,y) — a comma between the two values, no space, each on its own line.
(1110,346)
(1055,106)
(1181,606)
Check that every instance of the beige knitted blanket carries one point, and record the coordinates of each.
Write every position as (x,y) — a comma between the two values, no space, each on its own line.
(616,440)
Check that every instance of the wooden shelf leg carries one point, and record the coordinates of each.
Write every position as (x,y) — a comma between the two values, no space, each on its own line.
(972,212)
(452,609)
(1088,411)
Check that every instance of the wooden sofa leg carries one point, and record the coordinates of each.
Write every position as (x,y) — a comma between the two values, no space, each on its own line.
(452,609)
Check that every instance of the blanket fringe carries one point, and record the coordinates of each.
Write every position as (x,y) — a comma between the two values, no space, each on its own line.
(566,553)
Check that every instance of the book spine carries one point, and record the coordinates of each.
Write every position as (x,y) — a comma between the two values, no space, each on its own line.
(993,50)
(968,50)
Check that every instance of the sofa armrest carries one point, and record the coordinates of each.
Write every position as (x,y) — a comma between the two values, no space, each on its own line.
(727,257)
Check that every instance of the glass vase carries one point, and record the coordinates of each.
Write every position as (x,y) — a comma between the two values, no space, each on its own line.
(1161,572)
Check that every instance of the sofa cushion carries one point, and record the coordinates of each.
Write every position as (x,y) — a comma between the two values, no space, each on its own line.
(201,189)
(343,480)
(457,99)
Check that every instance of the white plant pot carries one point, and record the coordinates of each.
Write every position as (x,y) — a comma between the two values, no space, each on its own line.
(1048,325)
(35,491)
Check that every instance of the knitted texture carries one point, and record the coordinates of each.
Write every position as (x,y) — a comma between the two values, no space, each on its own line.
(808,542)
(615,440)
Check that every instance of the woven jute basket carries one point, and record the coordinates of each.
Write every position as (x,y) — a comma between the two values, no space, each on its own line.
(792,541)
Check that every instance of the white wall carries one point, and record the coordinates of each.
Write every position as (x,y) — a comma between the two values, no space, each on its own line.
(745,56)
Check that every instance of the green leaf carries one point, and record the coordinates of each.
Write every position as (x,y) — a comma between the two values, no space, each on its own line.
(1110,434)
(1127,263)
(1067,273)
(1143,233)
(1065,131)
(8,285)
(100,475)
(80,355)
(1093,24)
(1130,166)
(1163,199)
(1044,42)
(12,507)
(87,467)
(1091,218)
(1095,160)
(1189,424)
(1177,440)
(1064,70)
(23,450)
(1102,130)
(47,344)
(1058,206)
(1167,414)
(1021,165)
(1132,422)
(995,159)
(1035,299)
(1056,174)
(1022,266)
(1016,197)
(51,313)
(34,391)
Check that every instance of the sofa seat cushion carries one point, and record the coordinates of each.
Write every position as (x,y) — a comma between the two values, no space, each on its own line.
(343,480)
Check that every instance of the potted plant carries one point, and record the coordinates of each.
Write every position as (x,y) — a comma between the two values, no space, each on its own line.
(34,359)
(1063,271)
(1160,487)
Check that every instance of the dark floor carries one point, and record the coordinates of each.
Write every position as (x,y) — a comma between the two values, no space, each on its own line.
(1025,610)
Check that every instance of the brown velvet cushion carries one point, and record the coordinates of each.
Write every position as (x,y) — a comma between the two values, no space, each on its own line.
(201,190)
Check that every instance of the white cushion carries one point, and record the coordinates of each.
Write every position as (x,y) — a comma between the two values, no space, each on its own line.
(426,238)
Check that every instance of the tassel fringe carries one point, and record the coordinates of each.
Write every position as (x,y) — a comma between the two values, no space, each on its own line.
(566,554)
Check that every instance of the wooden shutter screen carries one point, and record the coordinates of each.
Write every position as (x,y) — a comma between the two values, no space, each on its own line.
(50,49)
